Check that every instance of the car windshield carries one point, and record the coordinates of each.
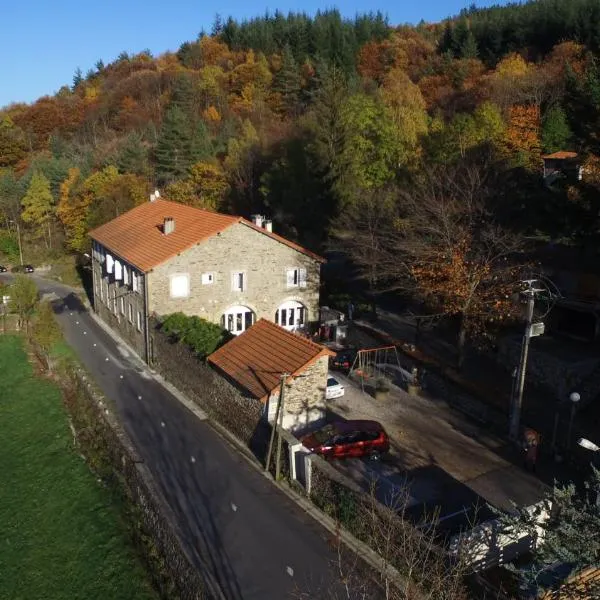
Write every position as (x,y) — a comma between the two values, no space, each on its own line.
(331,382)
(324,434)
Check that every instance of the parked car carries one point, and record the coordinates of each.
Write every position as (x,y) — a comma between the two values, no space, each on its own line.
(343,439)
(3,269)
(334,388)
(343,360)
(22,269)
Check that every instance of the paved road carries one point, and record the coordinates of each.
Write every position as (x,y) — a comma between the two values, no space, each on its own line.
(249,536)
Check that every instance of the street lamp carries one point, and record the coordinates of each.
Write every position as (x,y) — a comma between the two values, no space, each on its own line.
(574,398)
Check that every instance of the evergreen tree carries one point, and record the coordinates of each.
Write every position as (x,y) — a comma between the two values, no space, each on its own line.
(133,156)
(287,81)
(77,78)
(173,147)
(201,146)
(556,133)
(468,47)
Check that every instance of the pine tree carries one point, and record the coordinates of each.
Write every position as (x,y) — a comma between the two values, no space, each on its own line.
(77,78)
(37,206)
(468,47)
(556,133)
(287,81)
(173,147)
(133,156)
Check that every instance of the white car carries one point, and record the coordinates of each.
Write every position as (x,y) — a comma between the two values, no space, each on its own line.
(334,388)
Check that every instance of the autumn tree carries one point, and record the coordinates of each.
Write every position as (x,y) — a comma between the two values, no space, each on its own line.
(13,143)
(24,299)
(442,245)
(521,142)
(38,206)
(72,211)
(206,187)
(46,331)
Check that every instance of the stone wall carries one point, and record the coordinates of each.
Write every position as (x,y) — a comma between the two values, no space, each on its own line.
(242,416)
(304,398)
(111,454)
(124,317)
(238,248)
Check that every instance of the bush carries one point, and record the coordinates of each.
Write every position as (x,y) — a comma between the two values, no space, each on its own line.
(200,335)
(9,246)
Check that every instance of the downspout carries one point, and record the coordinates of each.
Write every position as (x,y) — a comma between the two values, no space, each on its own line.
(146,319)
(94,287)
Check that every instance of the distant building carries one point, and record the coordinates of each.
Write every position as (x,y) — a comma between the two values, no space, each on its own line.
(562,164)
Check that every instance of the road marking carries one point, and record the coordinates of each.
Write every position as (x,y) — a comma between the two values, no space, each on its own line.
(76,322)
(193,459)
(120,376)
(94,345)
(106,359)
(71,314)
(139,397)
(162,423)
(290,571)
(233,507)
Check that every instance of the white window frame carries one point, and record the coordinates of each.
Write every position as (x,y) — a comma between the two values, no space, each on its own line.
(125,275)
(134,281)
(139,320)
(207,278)
(180,292)
(235,280)
(295,277)
(123,305)
(130,314)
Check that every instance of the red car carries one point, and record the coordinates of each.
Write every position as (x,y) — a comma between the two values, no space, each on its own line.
(348,439)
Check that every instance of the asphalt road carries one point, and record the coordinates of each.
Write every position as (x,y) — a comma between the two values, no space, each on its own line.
(240,529)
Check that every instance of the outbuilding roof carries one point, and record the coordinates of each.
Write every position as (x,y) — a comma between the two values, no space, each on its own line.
(137,236)
(560,155)
(256,359)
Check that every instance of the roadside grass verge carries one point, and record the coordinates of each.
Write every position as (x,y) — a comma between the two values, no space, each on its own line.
(61,534)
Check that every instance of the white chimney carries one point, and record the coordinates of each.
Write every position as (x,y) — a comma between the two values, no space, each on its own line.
(154,195)
(168,225)
(268,225)
(257,220)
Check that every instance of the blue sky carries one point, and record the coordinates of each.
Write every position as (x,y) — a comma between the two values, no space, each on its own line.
(43,42)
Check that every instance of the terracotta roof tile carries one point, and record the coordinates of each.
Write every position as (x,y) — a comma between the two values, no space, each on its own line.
(256,359)
(561,155)
(137,237)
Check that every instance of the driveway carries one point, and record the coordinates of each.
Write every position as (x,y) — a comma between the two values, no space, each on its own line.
(439,458)
(244,534)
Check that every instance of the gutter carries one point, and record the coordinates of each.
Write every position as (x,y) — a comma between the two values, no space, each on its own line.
(146,321)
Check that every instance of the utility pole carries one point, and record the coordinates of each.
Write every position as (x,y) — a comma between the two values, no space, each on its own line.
(276,421)
(517,400)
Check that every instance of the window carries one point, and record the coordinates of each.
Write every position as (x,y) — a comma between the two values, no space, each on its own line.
(296,277)
(237,319)
(130,313)
(122,305)
(208,278)
(134,281)
(180,286)
(113,305)
(238,281)
(125,275)
(139,320)
(291,315)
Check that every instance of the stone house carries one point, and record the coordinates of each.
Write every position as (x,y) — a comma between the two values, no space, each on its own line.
(256,361)
(164,257)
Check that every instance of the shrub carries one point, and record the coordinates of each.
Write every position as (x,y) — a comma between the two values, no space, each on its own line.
(200,335)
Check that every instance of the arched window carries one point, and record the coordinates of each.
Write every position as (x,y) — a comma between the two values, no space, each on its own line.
(237,319)
(291,315)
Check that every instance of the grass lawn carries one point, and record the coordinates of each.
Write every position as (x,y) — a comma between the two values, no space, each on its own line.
(61,536)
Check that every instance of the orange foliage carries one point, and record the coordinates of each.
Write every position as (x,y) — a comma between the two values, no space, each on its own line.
(437,90)
(374,60)
(211,114)
(522,138)
(214,52)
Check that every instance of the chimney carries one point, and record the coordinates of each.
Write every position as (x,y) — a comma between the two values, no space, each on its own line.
(169,225)
(257,220)
(155,195)
(268,225)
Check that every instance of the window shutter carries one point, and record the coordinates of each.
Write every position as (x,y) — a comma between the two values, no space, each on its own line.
(134,281)
(109,263)
(118,270)
(125,275)
(302,278)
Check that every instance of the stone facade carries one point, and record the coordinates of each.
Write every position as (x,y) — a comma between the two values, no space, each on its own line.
(264,262)
(119,305)
(304,398)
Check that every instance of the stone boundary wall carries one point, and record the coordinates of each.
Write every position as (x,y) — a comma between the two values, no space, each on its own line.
(111,454)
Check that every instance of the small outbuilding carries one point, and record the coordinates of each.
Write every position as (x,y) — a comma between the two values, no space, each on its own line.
(256,362)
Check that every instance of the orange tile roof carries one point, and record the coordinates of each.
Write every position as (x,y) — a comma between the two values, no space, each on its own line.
(561,155)
(136,236)
(257,358)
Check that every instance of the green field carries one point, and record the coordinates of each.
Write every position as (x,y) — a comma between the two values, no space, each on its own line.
(61,536)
